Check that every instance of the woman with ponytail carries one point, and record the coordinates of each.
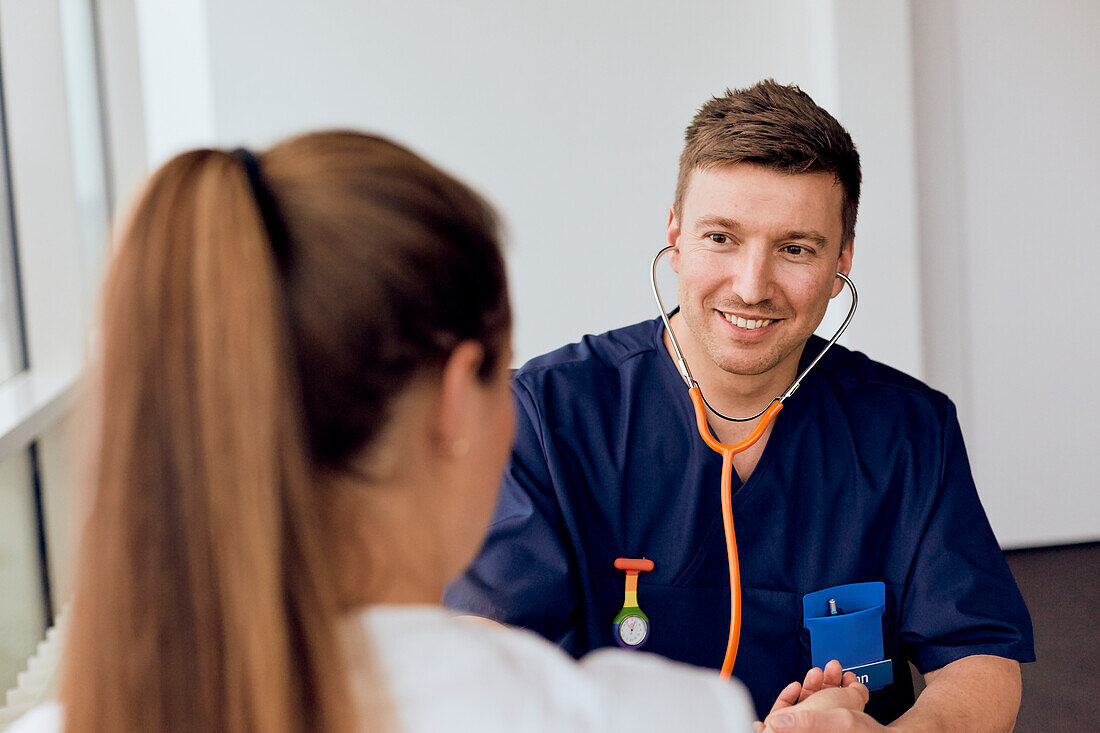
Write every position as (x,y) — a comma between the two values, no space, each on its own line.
(303,415)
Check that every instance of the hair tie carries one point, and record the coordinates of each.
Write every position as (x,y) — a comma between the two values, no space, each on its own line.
(269,211)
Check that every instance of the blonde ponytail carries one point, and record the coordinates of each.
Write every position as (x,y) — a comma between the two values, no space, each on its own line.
(236,385)
(213,611)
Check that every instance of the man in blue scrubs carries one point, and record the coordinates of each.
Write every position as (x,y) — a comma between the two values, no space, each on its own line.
(862,478)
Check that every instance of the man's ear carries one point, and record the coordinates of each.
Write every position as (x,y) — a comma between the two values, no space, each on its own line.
(843,265)
(672,236)
(458,390)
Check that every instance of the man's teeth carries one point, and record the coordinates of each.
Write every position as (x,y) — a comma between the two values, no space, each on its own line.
(746,324)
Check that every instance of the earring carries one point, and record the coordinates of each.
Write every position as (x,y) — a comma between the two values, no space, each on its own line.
(459,447)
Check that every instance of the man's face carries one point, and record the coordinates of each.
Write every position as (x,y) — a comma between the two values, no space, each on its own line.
(757,252)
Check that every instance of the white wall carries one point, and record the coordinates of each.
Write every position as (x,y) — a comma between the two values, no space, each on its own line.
(569,117)
(120,61)
(872,62)
(175,76)
(1018,99)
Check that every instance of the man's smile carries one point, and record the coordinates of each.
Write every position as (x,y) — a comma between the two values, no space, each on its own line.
(744,323)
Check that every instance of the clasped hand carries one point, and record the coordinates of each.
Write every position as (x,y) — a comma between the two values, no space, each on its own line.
(827,700)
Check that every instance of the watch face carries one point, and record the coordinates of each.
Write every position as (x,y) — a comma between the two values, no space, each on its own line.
(633,630)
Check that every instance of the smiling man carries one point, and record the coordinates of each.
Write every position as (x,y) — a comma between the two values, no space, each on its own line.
(860,531)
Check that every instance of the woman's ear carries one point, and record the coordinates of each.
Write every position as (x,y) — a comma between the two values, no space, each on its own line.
(458,391)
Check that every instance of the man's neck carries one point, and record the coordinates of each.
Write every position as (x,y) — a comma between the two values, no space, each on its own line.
(736,395)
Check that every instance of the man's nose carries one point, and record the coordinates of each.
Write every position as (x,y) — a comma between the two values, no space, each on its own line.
(753,276)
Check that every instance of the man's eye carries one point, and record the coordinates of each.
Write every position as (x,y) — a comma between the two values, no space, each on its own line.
(794,249)
(718,238)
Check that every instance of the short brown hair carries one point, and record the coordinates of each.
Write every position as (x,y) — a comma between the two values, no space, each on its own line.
(777,126)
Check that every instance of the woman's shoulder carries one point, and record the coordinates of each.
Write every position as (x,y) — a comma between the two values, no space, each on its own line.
(440,669)
(668,695)
(44,718)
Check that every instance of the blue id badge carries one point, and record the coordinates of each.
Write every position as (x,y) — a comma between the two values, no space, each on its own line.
(845,623)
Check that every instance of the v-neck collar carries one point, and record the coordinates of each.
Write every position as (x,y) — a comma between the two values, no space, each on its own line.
(742,489)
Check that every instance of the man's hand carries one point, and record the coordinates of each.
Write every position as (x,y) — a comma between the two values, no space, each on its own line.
(831,710)
(470,618)
(818,680)
(976,693)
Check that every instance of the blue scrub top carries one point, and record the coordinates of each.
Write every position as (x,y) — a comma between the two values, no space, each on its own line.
(864,478)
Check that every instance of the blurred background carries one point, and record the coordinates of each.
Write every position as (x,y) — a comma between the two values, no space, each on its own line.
(975,250)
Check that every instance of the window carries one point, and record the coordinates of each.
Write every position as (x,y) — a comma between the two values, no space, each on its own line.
(23,602)
(56,193)
(86,136)
(11,334)
(12,351)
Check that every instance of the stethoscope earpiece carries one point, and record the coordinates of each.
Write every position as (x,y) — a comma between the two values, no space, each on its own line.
(685,371)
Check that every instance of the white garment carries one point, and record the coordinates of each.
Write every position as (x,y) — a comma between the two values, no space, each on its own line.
(445,674)
(39,718)
(448,674)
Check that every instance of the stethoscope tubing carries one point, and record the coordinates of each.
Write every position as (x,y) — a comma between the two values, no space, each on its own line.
(700,404)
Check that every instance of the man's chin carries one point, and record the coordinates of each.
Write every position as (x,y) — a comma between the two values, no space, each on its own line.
(747,367)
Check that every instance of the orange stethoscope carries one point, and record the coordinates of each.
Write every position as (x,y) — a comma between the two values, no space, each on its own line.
(729,451)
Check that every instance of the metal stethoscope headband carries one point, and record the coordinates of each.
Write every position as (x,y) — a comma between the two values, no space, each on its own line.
(729,451)
(685,372)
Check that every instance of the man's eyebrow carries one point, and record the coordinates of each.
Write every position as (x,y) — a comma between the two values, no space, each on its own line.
(809,236)
(724,222)
(713,220)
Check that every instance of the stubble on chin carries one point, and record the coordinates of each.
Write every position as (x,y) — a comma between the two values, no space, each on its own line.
(725,353)
(739,359)
(743,364)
